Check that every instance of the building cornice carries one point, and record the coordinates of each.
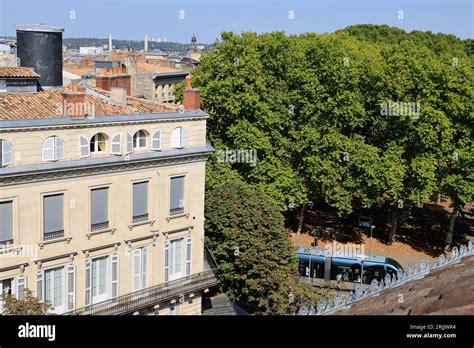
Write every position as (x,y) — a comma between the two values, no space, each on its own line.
(73,169)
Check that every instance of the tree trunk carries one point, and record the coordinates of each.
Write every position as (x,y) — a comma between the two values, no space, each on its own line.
(301,219)
(452,221)
(393,228)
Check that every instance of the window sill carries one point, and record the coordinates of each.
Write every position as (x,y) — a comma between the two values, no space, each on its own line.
(54,241)
(105,230)
(177,216)
(141,223)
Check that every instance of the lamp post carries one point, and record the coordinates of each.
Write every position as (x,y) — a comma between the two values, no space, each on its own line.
(362,258)
(370,241)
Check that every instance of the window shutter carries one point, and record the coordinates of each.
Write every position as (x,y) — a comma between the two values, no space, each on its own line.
(156,141)
(6,153)
(136,269)
(40,285)
(129,143)
(184,137)
(144,267)
(53,213)
(48,149)
(167,266)
(58,148)
(176,138)
(115,276)
(85,147)
(20,287)
(140,198)
(117,144)
(188,256)
(6,223)
(71,286)
(99,205)
(87,290)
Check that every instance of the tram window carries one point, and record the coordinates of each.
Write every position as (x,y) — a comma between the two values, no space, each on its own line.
(317,270)
(356,275)
(303,268)
(341,273)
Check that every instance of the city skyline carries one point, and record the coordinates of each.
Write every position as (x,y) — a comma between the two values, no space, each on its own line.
(178,21)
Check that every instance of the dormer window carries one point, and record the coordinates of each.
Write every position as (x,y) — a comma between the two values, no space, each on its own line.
(53,149)
(178,138)
(139,140)
(98,143)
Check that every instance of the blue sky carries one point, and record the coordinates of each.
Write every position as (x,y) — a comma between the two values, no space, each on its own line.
(131,19)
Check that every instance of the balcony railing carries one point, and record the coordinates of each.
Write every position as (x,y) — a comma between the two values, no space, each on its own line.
(53,235)
(151,296)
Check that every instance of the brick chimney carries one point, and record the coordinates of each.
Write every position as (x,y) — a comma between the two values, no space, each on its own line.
(73,102)
(113,78)
(191,96)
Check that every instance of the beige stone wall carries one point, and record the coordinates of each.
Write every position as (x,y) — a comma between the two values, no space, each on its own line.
(27,145)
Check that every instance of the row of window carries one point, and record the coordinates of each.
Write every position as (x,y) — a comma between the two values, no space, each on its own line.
(53,210)
(53,147)
(58,285)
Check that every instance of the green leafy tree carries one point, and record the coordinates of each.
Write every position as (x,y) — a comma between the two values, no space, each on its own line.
(28,305)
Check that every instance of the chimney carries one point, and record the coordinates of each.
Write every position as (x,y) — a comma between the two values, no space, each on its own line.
(118,96)
(191,96)
(106,80)
(73,101)
(110,42)
(146,43)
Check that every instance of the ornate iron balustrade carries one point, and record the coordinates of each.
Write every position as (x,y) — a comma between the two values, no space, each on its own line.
(412,272)
(151,296)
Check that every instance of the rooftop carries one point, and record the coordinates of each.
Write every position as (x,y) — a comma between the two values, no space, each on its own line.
(39,27)
(17,72)
(48,104)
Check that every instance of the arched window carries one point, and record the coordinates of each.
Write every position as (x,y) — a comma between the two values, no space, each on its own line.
(178,138)
(156,141)
(6,153)
(53,149)
(139,140)
(98,143)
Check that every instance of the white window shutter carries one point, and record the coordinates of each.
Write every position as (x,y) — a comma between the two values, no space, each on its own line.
(156,141)
(184,137)
(144,267)
(71,287)
(58,148)
(136,269)
(48,149)
(176,138)
(114,276)
(88,280)
(188,256)
(20,287)
(85,148)
(129,143)
(167,266)
(7,153)
(40,286)
(117,144)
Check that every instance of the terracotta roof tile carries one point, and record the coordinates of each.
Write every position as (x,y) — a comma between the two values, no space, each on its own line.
(19,72)
(48,104)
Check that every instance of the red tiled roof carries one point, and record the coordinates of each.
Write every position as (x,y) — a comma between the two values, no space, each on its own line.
(17,72)
(48,104)
(448,291)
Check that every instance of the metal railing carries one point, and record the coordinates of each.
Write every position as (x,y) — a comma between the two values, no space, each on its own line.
(53,235)
(99,226)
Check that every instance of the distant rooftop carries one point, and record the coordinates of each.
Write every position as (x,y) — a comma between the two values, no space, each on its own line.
(42,27)
(17,72)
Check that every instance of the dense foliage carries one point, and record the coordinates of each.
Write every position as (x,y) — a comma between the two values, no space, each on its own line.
(369,115)
(29,305)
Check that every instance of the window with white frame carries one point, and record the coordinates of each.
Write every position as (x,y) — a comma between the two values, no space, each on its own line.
(139,267)
(99,208)
(98,143)
(6,153)
(102,279)
(156,140)
(117,144)
(56,286)
(53,218)
(53,149)
(178,138)
(140,201)
(13,286)
(6,224)
(139,140)
(6,287)
(177,195)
